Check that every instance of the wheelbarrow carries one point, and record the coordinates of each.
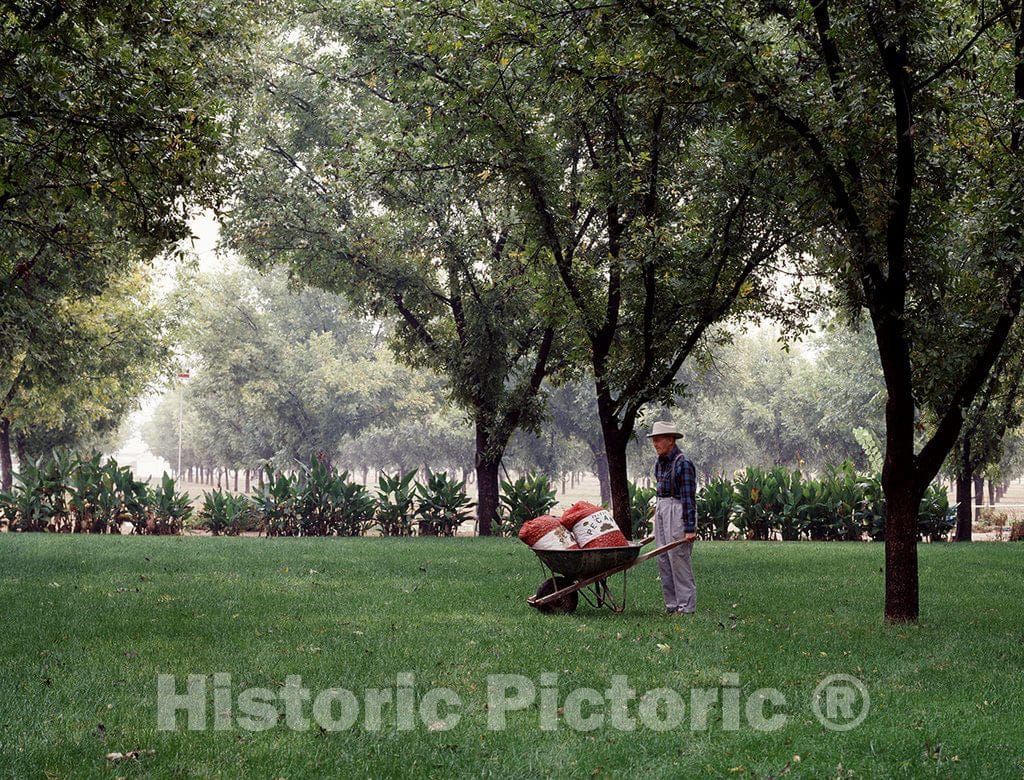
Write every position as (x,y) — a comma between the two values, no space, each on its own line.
(575,572)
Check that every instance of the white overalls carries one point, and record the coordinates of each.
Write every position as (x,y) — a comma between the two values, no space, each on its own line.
(677,583)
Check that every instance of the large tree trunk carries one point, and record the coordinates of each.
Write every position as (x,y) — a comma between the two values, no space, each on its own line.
(486,493)
(19,449)
(601,467)
(618,476)
(901,589)
(979,495)
(900,478)
(6,478)
(963,494)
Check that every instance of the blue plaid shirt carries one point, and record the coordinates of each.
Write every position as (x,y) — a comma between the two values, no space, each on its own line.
(677,477)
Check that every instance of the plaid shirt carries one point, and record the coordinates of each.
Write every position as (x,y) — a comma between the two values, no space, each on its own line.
(677,477)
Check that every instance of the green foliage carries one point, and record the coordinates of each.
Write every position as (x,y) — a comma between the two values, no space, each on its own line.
(935,520)
(111,144)
(641,508)
(30,504)
(80,376)
(443,505)
(225,513)
(329,503)
(69,492)
(318,502)
(872,448)
(840,505)
(275,504)
(278,373)
(169,510)
(396,503)
(715,502)
(527,497)
(758,499)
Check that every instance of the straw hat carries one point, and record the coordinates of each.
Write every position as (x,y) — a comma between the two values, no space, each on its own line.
(664,428)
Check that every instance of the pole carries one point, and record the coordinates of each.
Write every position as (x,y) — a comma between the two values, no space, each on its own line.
(182,376)
(178,472)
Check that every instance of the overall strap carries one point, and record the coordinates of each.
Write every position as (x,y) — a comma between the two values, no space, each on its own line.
(672,475)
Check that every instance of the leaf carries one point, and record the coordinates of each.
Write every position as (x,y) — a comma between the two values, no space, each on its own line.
(130,754)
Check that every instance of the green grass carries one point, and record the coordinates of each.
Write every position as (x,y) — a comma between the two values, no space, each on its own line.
(89,622)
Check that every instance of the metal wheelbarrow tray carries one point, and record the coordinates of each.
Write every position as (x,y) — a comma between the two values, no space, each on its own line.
(587,572)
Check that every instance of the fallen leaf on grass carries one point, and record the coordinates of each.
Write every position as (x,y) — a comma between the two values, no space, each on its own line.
(129,754)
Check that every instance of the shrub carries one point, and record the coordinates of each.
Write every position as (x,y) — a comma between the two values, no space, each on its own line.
(715,504)
(988,518)
(443,505)
(528,497)
(67,492)
(935,520)
(224,513)
(791,496)
(396,503)
(168,509)
(275,505)
(329,503)
(1017,531)
(32,504)
(641,508)
(758,499)
(845,498)
(872,507)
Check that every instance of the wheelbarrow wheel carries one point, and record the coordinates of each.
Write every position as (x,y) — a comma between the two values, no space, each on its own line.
(563,605)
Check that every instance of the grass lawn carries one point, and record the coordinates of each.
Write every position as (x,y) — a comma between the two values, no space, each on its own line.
(89,622)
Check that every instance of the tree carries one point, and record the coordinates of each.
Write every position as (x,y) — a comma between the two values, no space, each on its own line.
(441,439)
(993,415)
(108,130)
(83,369)
(333,184)
(279,374)
(572,415)
(652,222)
(108,142)
(902,120)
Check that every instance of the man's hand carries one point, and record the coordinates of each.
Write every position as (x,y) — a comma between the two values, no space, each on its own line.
(690,536)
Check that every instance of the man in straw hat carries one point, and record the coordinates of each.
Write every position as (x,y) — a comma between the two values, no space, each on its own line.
(675,517)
